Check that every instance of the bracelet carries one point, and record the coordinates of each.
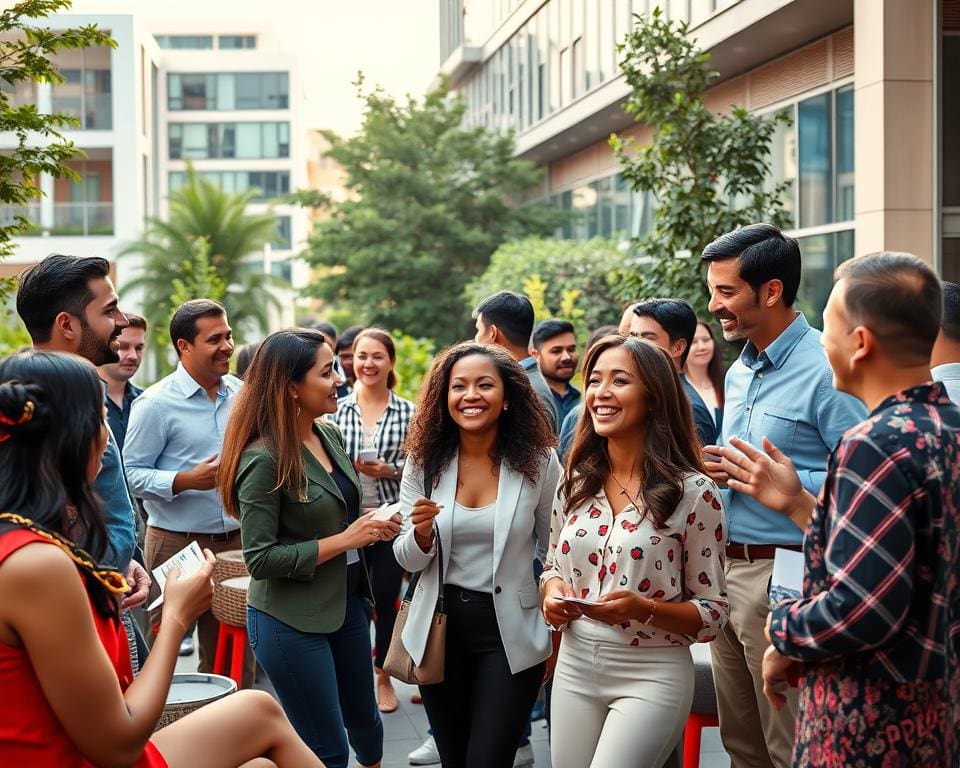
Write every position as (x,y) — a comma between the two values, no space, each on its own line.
(653,610)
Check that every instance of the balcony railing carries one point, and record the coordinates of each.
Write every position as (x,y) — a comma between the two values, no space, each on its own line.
(31,212)
(82,219)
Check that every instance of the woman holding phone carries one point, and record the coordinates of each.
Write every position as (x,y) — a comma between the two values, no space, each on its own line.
(483,437)
(69,696)
(285,474)
(635,570)
(373,420)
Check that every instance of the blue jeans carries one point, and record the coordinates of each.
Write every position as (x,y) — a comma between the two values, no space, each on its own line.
(324,682)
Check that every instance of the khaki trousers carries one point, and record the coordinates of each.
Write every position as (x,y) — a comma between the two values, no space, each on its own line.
(160,545)
(754,734)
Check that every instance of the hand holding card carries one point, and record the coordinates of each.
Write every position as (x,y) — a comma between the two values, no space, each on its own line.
(188,560)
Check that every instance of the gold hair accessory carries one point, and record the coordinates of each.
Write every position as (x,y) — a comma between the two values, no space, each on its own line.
(25,416)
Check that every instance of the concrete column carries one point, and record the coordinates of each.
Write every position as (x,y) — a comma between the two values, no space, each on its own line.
(893,103)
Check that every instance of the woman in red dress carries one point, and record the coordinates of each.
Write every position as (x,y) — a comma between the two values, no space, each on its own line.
(67,695)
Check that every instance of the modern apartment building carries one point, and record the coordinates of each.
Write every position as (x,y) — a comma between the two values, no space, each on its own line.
(216,95)
(873,156)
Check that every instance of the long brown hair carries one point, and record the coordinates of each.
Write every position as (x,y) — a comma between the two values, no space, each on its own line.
(715,369)
(384,338)
(265,411)
(524,435)
(670,445)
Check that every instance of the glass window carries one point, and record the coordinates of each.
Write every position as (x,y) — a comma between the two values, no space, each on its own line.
(251,141)
(228,140)
(86,92)
(576,68)
(185,42)
(247,90)
(821,254)
(783,160)
(237,42)
(845,154)
(284,232)
(226,92)
(816,160)
(564,76)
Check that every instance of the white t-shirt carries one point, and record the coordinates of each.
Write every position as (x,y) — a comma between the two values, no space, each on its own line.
(471,552)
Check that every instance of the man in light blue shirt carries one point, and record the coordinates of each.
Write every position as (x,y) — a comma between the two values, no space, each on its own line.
(781,387)
(945,362)
(172,448)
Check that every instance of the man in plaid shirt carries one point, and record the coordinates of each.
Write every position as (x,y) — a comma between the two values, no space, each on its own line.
(878,627)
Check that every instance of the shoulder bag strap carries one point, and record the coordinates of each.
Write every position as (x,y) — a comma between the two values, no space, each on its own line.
(415,578)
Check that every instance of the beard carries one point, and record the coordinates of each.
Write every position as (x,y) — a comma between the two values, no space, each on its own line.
(561,377)
(97,351)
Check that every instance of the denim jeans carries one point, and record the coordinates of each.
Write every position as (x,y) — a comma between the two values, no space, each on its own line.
(324,682)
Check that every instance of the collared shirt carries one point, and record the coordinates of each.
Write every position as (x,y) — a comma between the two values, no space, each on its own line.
(566,402)
(540,386)
(949,374)
(879,620)
(786,394)
(118,417)
(388,438)
(118,515)
(173,427)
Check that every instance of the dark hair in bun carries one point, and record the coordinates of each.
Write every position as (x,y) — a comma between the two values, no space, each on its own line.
(51,414)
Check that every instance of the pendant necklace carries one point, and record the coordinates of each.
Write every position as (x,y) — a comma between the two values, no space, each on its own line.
(624,492)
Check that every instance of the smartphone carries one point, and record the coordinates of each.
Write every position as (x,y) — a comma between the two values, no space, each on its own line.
(368,455)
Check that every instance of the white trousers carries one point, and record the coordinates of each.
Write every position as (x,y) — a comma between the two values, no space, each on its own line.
(616,706)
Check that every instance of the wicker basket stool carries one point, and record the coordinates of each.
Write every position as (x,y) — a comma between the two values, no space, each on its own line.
(229,565)
(190,691)
(230,609)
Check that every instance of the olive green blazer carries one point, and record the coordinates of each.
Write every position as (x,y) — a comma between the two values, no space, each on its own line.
(280,533)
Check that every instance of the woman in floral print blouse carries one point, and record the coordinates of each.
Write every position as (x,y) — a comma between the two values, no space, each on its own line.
(637,536)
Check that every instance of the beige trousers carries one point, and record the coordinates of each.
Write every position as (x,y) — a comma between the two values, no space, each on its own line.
(754,734)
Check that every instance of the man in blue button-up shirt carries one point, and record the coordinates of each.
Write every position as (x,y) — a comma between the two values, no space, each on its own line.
(173,442)
(781,387)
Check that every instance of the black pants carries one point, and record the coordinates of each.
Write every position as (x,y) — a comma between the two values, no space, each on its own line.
(386,576)
(479,711)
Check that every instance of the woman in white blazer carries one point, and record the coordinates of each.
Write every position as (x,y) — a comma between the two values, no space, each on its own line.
(483,437)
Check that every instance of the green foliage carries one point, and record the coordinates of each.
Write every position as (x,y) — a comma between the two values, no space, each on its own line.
(710,173)
(568,279)
(40,147)
(414,357)
(234,239)
(13,334)
(430,202)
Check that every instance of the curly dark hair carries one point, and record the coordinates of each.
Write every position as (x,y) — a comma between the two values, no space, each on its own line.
(524,435)
(669,441)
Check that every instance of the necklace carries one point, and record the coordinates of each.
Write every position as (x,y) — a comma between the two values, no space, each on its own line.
(623,490)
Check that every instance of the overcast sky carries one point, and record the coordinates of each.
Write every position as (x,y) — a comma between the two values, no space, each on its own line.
(394,42)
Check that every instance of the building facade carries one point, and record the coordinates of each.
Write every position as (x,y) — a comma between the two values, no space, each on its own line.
(869,153)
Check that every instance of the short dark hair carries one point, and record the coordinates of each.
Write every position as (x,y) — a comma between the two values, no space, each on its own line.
(951,311)
(899,299)
(329,330)
(765,254)
(57,284)
(346,339)
(675,316)
(549,329)
(183,324)
(136,321)
(245,357)
(511,312)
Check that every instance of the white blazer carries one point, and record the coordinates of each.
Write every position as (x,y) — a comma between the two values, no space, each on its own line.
(521,529)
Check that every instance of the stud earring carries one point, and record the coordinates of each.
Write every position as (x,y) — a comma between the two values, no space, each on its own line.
(506,405)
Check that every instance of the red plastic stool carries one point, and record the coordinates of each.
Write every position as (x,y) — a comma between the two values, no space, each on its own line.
(691,737)
(236,638)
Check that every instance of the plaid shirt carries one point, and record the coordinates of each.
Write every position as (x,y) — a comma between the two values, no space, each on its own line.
(879,622)
(388,438)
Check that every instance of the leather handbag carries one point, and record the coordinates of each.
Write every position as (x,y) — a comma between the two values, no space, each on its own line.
(398,663)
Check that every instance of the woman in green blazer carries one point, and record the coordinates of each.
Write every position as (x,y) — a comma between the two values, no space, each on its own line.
(288,479)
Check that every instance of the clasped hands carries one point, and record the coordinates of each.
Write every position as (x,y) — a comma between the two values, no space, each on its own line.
(615,608)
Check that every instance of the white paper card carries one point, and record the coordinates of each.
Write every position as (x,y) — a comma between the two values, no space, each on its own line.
(189,559)
(786,583)
(577,600)
(385,512)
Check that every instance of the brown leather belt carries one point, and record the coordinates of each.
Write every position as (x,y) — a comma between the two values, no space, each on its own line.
(753,552)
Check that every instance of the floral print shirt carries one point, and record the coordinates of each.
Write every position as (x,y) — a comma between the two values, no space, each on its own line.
(878,626)
(597,552)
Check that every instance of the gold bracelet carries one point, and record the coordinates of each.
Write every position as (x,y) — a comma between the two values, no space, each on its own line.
(653,610)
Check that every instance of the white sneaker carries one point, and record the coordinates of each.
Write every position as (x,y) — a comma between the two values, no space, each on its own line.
(426,753)
(524,758)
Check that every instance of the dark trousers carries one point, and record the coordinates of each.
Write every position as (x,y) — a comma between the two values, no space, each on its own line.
(479,711)
(324,682)
(386,576)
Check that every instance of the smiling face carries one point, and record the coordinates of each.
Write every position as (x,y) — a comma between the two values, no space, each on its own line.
(130,352)
(371,362)
(615,396)
(558,358)
(317,393)
(702,348)
(475,395)
(208,357)
(100,324)
(733,301)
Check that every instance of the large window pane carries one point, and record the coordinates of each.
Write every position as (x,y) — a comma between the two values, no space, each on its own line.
(250,140)
(845,154)
(816,161)
(818,258)
(68,95)
(227,140)
(783,160)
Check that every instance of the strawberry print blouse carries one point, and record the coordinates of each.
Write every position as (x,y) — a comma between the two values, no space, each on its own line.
(597,552)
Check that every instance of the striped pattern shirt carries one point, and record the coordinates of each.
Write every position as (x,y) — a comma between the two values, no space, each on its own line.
(388,438)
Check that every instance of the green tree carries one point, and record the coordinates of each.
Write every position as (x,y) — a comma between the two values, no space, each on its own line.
(430,202)
(709,172)
(414,357)
(200,210)
(25,53)
(568,279)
